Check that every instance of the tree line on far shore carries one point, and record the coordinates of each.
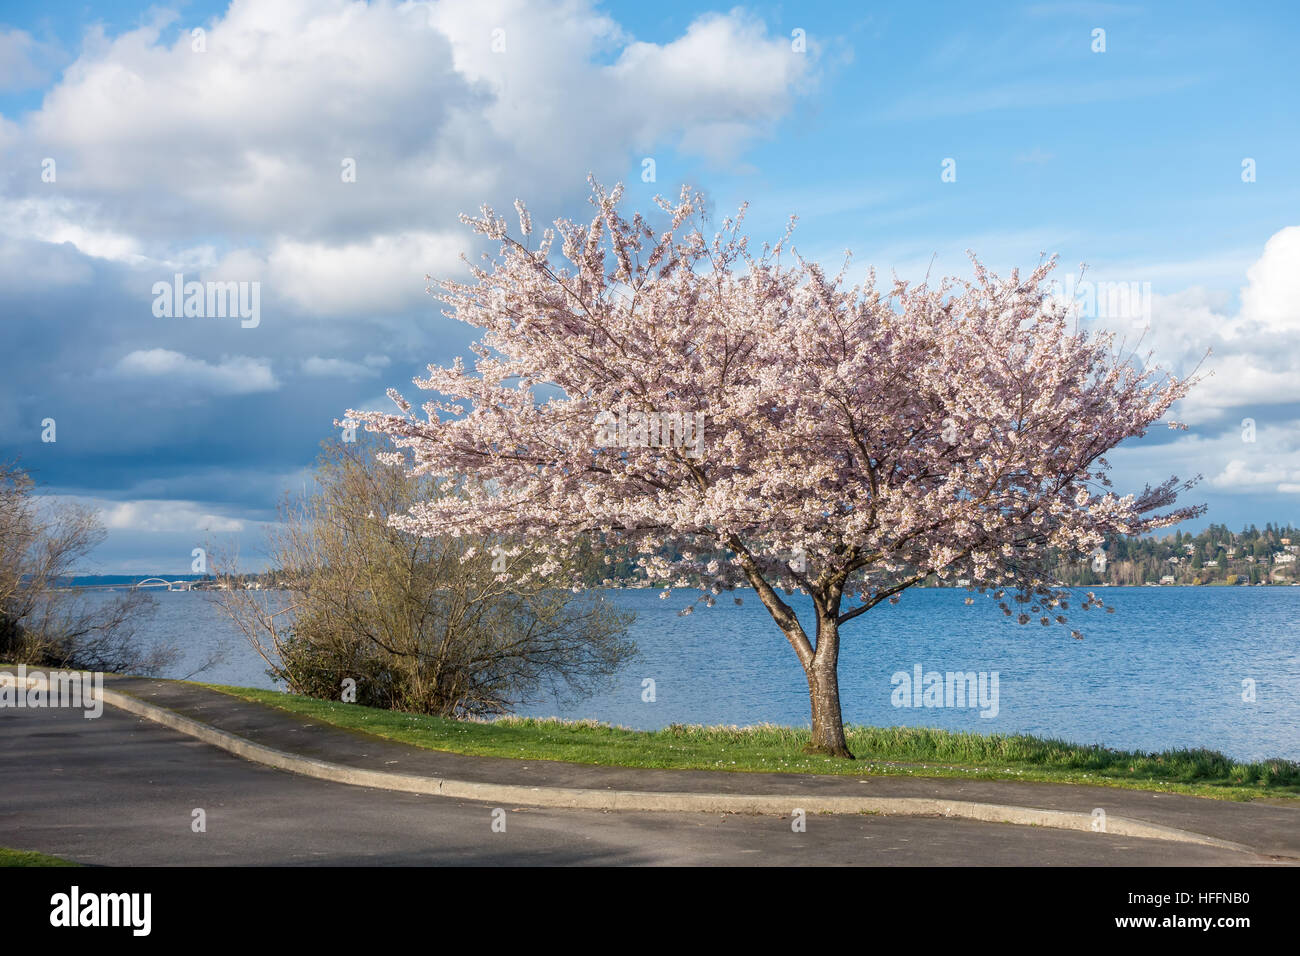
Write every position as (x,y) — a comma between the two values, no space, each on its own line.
(1212,556)
(1215,555)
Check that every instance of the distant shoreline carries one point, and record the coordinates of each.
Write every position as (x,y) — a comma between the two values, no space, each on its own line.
(132,582)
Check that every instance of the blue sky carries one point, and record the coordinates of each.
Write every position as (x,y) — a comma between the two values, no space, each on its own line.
(224,163)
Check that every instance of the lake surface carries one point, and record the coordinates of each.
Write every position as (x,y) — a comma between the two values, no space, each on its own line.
(1165,670)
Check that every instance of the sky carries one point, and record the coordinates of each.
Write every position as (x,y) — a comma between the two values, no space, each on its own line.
(324,150)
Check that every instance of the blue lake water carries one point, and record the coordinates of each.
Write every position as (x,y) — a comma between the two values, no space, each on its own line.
(1165,670)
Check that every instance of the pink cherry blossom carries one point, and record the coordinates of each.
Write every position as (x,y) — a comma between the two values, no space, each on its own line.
(882,434)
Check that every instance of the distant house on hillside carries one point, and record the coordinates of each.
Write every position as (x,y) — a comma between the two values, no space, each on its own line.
(1167,579)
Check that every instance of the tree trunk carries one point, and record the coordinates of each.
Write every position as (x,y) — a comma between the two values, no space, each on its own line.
(824,692)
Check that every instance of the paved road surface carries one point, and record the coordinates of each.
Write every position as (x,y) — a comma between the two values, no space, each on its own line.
(121,790)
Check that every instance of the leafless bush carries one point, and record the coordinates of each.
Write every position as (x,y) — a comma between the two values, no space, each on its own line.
(44,624)
(424,624)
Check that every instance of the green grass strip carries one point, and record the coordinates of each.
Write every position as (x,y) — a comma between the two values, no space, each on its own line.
(769,748)
(10,857)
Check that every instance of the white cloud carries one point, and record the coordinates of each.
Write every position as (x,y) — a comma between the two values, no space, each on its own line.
(151,515)
(1252,353)
(164,516)
(1242,381)
(1273,296)
(1236,459)
(722,59)
(1243,476)
(251,133)
(343,368)
(233,375)
(380,274)
(160,148)
(59,219)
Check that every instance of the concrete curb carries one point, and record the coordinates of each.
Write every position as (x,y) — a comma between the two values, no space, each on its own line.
(589,799)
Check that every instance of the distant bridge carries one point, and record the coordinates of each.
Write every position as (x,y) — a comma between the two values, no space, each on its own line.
(162,582)
(200,585)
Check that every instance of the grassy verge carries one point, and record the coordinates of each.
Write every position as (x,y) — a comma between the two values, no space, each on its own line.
(900,751)
(10,857)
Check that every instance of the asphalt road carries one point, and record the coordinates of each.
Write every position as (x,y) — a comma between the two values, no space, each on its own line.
(120,790)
